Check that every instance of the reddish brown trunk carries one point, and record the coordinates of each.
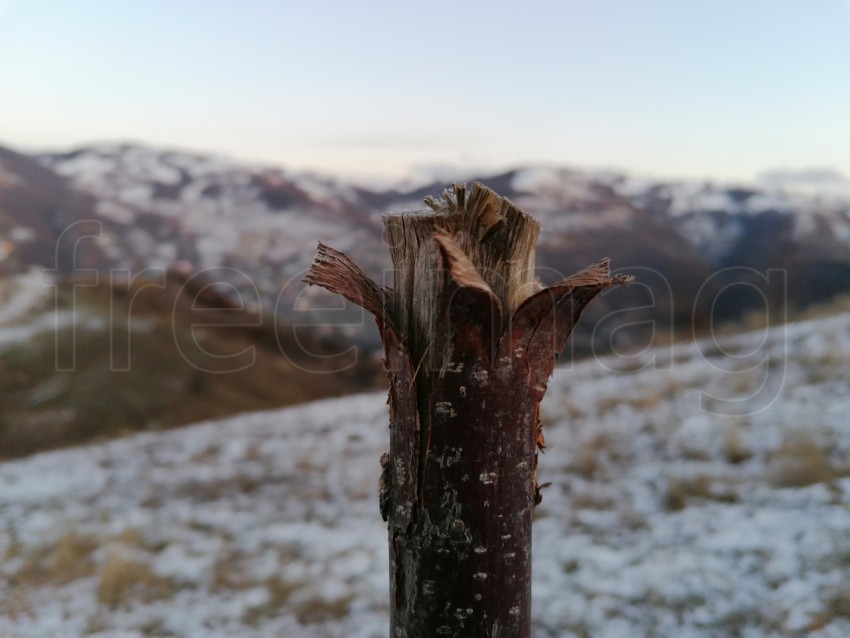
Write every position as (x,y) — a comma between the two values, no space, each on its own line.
(470,342)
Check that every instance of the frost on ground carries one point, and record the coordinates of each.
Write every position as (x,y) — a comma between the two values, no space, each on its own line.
(665,518)
(19,295)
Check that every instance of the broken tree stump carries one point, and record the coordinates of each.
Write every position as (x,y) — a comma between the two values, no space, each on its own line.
(470,340)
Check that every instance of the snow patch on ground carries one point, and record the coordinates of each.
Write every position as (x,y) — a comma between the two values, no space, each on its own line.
(664,517)
(19,295)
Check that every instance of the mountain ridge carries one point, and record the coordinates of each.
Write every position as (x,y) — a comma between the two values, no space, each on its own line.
(254,228)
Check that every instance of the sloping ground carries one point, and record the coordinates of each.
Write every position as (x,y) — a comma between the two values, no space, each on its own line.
(664,519)
(101,361)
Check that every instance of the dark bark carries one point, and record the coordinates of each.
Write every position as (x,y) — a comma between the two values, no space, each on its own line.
(470,342)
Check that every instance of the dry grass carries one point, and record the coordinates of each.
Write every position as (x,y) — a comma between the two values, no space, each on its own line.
(694,453)
(801,461)
(832,307)
(734,450)
(209,453)
(218,489)
(229,573)
(14,604)
(587,462)
(592,500)
(680,491)
(123,580)
(65,561)
(316,610)
(633,520)
(280,591)
(15,547)
(836,605)
(647,401)
(571,410)
(591,455)
(306,463)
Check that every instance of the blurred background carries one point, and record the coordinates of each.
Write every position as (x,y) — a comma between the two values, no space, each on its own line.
(166,170)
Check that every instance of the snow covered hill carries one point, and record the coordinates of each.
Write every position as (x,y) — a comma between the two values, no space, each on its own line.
(196,191)
(665,518)
(258,225)
(169,208)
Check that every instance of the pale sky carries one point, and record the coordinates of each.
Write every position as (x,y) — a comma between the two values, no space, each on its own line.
(677,88)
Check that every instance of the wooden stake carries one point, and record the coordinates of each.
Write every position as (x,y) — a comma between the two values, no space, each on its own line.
(470,341)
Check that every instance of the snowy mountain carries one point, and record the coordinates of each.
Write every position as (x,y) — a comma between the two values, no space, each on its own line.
(221,200)
(664,517)
(254,229)
(204,212)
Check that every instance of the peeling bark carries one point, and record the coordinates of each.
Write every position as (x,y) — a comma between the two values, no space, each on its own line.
(470,341)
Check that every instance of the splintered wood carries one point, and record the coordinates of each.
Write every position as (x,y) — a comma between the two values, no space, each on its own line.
(470,340)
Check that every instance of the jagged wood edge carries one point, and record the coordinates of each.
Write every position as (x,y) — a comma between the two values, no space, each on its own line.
(524,338)
(473,310)
(334,271)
